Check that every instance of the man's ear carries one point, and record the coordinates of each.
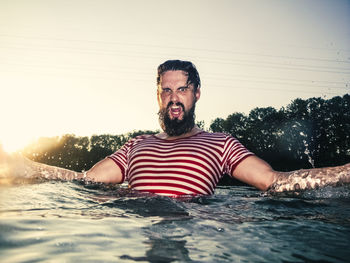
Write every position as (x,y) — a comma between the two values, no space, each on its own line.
(197,94)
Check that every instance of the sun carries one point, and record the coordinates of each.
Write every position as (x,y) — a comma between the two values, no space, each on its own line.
(13,144)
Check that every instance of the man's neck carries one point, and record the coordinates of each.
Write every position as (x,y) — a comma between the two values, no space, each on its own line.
(165,136)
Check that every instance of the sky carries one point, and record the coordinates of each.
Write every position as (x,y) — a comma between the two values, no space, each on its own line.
(89,66)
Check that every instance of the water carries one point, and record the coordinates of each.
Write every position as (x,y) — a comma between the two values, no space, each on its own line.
(307,151)
(69,222)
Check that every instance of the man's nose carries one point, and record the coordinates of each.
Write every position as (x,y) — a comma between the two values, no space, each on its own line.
(174,97)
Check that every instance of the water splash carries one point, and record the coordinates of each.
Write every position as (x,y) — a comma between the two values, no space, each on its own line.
(306,145)
(307,151)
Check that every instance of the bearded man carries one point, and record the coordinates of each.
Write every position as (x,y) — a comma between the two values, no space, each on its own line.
(185,160)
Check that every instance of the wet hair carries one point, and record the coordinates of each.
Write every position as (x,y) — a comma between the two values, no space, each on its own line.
(186,66)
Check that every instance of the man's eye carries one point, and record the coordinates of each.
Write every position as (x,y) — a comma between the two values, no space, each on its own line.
(183,89)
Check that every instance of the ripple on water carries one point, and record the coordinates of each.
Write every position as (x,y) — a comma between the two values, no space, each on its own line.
(72,222)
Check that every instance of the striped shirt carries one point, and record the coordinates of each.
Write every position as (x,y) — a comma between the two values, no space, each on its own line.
(185,166)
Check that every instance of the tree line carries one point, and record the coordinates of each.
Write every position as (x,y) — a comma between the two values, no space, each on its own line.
(75,152)
(306,133)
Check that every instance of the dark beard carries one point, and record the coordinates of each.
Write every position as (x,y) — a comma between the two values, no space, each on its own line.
(177,127)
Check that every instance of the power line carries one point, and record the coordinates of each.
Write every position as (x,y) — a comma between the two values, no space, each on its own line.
(231,86)
(233,62)
(196,49)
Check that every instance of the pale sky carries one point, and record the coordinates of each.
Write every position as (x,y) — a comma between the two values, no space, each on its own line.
(89,66)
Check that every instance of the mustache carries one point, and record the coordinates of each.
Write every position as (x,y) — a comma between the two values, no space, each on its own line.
(176,104)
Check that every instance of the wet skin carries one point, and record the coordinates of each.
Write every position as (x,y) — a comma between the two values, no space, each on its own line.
(175,90)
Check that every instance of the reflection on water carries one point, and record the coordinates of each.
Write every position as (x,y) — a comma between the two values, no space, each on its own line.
(60,221)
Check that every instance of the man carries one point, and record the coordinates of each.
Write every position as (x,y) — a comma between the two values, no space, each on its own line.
(185,160)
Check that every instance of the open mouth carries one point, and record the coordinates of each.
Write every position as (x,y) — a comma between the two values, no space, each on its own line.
(175,111)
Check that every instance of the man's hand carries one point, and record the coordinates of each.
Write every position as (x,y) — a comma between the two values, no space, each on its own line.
(311,178)
(15,168)
(12,167)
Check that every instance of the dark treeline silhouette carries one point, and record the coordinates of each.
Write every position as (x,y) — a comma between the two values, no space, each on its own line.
(305,133)
(77,153)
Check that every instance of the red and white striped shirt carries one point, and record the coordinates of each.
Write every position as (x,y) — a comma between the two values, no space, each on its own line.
(186,166)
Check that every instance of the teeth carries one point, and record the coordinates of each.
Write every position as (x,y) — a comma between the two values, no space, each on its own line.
(175,108)
(175,111)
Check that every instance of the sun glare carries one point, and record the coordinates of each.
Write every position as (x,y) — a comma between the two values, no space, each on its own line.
(11,145)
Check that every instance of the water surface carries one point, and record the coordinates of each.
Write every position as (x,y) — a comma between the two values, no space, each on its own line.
(70,222)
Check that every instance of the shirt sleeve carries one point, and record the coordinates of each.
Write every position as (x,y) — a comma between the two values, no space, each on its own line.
(120,157)
(234,153)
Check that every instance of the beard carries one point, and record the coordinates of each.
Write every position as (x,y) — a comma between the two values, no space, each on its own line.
(177,127)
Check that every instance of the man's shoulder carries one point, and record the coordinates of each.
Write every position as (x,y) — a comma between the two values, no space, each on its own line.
(142,137)
(218,135)
(138,138)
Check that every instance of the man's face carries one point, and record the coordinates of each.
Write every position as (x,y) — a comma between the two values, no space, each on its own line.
(176,99)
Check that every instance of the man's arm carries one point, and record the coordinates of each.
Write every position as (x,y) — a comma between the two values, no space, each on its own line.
(311,178)
(260,174)
(256,172)
(105,171)
(17,166)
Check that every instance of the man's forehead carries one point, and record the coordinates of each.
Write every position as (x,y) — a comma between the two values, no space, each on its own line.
(173,76)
